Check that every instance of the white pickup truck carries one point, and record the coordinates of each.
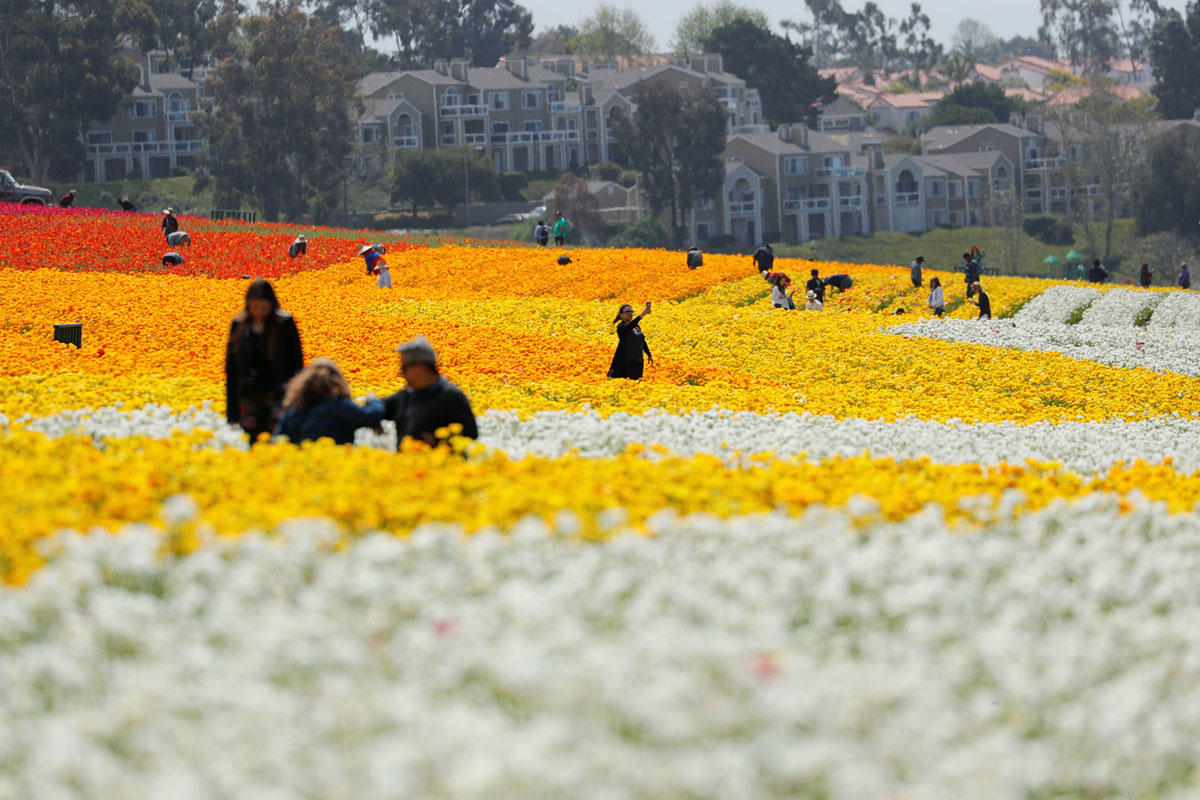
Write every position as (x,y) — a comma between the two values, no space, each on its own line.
(13,192)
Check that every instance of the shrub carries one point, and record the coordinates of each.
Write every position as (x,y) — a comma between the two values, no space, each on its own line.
(607,171)
(721,243)
(512,185)
(647,232)
(1049,230)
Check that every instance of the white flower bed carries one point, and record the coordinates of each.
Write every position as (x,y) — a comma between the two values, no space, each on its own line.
(1056,304)
(1161,349)
(734,436)
(1119,307)
(1178,309)
(762,657)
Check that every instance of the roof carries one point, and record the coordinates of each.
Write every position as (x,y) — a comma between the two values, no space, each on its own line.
(167,81)
(370,84)
(988,72)
(733,165)
(909,100)
(941,136)
(1069,97)
(770,142)
(377,109)
(963,163)
(431,76)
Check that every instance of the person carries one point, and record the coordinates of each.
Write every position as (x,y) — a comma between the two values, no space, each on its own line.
(780,296)
(429,408)
(813,304)
(631,344)
(1185,278)
(1146,277)
(694,257)
(563,260)
(970,271)
(815,285)
(317,405)
(1097,273)
(914,270)
(263,353)
(127,205)
(298,247)
(984,302)
(179,238)
(840,281)
(937,300)
(67,200)
(169,223)
(541,233)
(373,256)
(560,229)
(171,259)
(764,257)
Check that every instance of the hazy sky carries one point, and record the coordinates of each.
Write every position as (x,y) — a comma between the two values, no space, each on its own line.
(1006,18)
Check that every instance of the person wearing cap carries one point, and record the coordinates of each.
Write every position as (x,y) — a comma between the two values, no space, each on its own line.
(914,270)
(631,344)
(560,229)
(814,303)
(169,223)
(67,200)
(373,256)
(298,247)
(429,408)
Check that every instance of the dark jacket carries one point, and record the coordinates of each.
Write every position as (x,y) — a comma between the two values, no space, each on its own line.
(1145,278)
(418,413)
(169,224)
(251,368)
(985,305)
(841,281)
(631,343)
(817,286)
(1185,279)
(764,258)
(336,418)
(1097,274)
(970,271)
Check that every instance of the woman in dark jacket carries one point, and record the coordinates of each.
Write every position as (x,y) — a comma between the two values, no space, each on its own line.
(262,355)
(1146,277)
(318,406)
(627,361)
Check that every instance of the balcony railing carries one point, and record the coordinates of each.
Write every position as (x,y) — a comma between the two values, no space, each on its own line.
(1059,192)
(517,137)
(807,204)
(404,142)
(475,138)
(1033,194)
(179,116)
(841,172)
(130,148)
(448,140)
(742,207)
(560,136)
(564,107)
(853,201)
(473,110)
(1057,162)
(908,198)
(736,129)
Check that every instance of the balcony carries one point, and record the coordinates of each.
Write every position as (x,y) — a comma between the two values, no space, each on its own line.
(563,107)
(179,116)
(475,138)
(908,198)
(448,140)
(131,148)
(841,172)
(464,111)
(853,201)
(405,142)
(1059,192)
(736,129)
(1058,162)
(559,136)
(742,207)
(1033,194)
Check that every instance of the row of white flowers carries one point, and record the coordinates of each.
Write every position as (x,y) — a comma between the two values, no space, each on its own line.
(1178,309)
(733,435)
(1120,307)
(760,657)
(1056,304)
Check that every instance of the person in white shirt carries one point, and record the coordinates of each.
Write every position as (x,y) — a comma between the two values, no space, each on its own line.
(937,300)
(813,303)
(780,297)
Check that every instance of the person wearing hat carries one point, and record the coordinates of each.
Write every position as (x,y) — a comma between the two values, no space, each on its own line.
(169,223)
(694,257)
(67,200)
(560,229)
(813,304)
(914,270)
(298,247)
(127,205)
(429,408)
(631,344)
(373,256)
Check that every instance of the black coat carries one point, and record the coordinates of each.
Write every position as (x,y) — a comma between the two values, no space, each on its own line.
(631,344)
(419,413)
(1097,274)
(250,369)
(169,224)
(816,286)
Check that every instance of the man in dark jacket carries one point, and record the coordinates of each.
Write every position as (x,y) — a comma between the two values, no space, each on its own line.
(1097,274)
(764,258)
(816,285)
(430,402)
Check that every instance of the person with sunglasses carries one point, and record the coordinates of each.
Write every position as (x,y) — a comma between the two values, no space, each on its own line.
(429,405)
(631,344)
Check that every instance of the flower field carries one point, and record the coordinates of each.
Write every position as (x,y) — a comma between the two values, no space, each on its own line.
(862,553)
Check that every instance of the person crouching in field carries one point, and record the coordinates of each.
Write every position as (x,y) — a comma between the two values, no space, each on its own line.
(263,353)
(318,406)
(178,239)
(373,255)
(298,247)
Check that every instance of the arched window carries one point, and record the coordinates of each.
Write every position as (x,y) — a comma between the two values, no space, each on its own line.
(450,98)
(177,108)
(404,125)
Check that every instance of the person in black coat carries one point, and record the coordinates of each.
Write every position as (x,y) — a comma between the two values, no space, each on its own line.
(430,408)
(840,281)
(984,302)
(169,223)
(1097,274)
(764,258)
(631,344)
(816,285)
(262,355)
(970,271)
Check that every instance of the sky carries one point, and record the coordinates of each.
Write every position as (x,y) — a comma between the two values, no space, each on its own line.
(1007,18)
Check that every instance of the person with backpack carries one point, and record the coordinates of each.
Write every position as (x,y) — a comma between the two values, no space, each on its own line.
(816,285)
(318,405)
(694,257)
(541,233)
(560,229)
(764,257)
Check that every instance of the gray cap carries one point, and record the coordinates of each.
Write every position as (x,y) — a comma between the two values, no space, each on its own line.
(418,350)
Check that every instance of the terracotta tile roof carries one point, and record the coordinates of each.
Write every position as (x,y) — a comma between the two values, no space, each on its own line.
(910,100)
(988,72)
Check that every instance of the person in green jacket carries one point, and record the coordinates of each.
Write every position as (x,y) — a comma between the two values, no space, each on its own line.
(560,230)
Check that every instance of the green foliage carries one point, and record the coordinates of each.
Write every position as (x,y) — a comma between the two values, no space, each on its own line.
(512,185)
(1049,230)
(1142,318)
(1076,316)
(580,207)
(61,67)
(902,144)
(675,140)
(612,31)
(974,103)
(1175,54)
(1167,197)
(648,233)
(790,87)
(277,116)
(481,30)
(694,27)
(607,170)
(441,177)
(553,41)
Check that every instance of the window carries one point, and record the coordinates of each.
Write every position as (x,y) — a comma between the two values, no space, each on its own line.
(145,136)
(473,99)
(935,188)
(986,148)
(973,188)
(954,218)
(552,93)
(703,203)
(952,189)
(937,217)
(531,99)
(499,127)
(795,165)
(100,137)
(832,162)
(450,98)
(368,135)
(143,108)
(498,101)
(533,125)
(177,108)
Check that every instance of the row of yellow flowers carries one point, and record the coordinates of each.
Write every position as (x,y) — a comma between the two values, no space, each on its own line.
(238,491)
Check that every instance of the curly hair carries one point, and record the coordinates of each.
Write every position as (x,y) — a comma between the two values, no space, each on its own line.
(316,383)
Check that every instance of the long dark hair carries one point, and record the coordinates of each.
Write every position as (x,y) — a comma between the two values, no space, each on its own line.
(620,311)
(259,289)
(935,282)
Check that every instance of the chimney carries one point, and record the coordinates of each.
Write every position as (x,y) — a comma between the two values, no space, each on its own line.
(785,132)
(458,69)
(441,67)
(803,136)
(716,63)
(518,67)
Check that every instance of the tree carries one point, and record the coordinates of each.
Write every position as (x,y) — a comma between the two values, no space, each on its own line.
(974,41)
(675,140)
(426,30)
(790,87)
(921,51)
(1175,54)
(278,113)
(825,35)
(61,68)
(1166,194)
(578,205)
(610,32)
(185,28)
(553,41)
(1083,31)
(424,178)
(696,26)
(872,39)
(974,103)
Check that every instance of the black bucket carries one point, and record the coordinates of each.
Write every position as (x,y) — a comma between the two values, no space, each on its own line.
(69,333)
